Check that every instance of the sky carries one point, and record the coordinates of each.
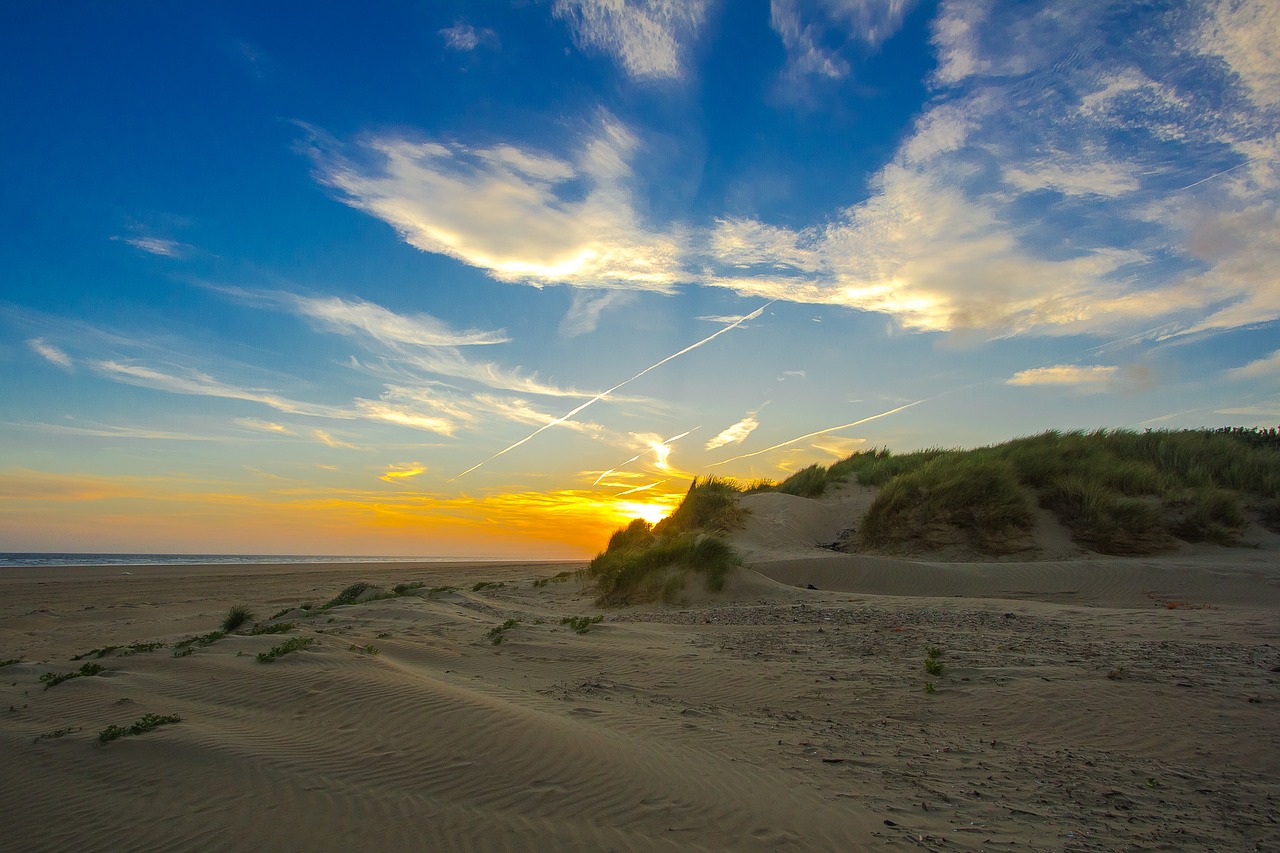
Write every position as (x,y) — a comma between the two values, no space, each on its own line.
(489,279)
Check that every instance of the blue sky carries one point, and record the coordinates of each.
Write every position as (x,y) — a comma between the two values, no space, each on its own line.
(488,279)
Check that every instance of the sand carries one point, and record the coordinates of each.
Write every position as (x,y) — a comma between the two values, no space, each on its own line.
(1083,704)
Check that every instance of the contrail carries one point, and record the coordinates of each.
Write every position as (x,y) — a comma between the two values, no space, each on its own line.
(708,339)
(1218,174)
(638,455)
(821,432)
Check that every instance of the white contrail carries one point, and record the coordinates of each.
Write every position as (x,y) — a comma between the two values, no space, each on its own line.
(820,432)
(708,339)
(638,455)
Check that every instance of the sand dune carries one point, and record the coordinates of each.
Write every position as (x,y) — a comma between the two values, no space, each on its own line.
(1088,705)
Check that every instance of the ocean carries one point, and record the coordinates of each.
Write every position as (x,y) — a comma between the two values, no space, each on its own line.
(13,559)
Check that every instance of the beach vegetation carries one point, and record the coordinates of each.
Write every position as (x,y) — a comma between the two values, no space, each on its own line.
(289,646)
(975,498)
(933,666)
(930,688)
(808,482)
(237,617)
(1118,491)
(479,585)
(440,590)
(351,595)
(369,649)
(144,724)
(52,679)
(125,651)
(276,628)
(581,624)
(12,661)
(56,733)
(496,635)
(561,577)
(191,643)
(407,588)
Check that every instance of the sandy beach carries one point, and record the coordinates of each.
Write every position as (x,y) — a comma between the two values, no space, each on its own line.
(1068,704)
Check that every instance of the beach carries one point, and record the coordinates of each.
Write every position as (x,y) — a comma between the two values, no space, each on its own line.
(1101,704)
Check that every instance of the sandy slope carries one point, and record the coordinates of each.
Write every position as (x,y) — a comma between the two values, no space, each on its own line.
(1076,711)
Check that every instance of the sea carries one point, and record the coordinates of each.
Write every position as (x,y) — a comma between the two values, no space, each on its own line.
(15,559)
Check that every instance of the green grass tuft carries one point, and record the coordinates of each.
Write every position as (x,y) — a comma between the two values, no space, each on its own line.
(145,724)
(278,628)
(12,661)
(237,617)
(581,624)
(496,635)
(288,646)
(52,679)
(479,585)
(808,482)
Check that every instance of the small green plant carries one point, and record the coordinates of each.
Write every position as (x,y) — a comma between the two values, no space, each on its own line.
(369,649)
(11,662)
(562,577)
(933,666)
(52,679)
(56,733)
(581,624)
(291,645)
(933,652)
(930,688)
(145,724)
(440,590)
(495,635)
(278,628)
(237,617)
(348,595)
(132,649)
(202,640)
(479,585)
(406,588)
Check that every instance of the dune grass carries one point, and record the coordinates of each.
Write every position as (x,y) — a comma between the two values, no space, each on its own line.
(287,647)
(237,617)
(53,679)
(1120,491)
(144,724)
(648,563)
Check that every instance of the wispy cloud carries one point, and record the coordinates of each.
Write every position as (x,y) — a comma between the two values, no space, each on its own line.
(400,473)
(1266,367)
(647,38)
(199,384)
(465,37)
(114,431)
(51,353)
(1067,375)
(328,440)
(354,317)
(264,426)
(818,433)
(161,246)
(735,434)
(816,35)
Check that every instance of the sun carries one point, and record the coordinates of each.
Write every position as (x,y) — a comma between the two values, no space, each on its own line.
(652,513)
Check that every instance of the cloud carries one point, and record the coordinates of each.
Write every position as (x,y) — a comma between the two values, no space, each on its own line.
(1062,179)
(647,38)
(264,426)
(519,215)
(1066,375)
(463,36)
(22,484)
(587,306)
(419,330)
(51,353)
(735,434)
(199,384)
(1265,367)
(398,473)
(157,246)
(113,431)
(327,439)
(816,34)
